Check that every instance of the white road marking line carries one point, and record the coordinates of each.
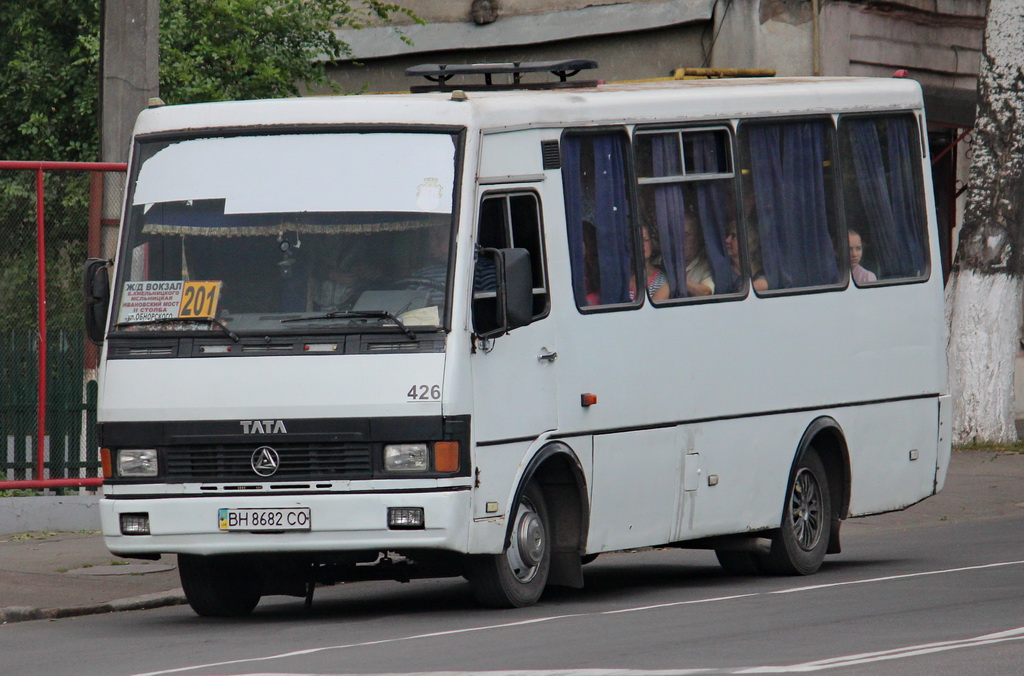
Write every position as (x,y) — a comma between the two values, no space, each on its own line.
(1010,635)
(892,654)
(311,651)
(529,672)
(677,603)
(887,578)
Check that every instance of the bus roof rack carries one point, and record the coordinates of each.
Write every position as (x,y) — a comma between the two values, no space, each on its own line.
(440,74)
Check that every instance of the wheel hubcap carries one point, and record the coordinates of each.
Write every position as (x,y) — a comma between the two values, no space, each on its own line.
(805,510)
(526,550)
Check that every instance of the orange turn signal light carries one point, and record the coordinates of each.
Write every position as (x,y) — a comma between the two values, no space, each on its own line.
(105,463)
(588,399)
(446,456)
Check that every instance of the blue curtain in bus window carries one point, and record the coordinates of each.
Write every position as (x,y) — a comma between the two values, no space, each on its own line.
(573,188)
(611,218)
(787,165)
(597,218)
(712,206)
(670,210)
(888,192)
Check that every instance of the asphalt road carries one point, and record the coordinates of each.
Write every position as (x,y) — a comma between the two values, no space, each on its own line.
(937,589)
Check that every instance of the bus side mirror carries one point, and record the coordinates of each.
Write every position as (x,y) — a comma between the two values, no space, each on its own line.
(502,292)
(96,283)
(518,287)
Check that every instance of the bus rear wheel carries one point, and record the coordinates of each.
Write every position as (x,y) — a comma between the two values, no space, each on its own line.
(219,586)
(800,545)
(516,577)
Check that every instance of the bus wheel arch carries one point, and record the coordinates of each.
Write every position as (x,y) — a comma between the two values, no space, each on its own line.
(825,437)
(817,499)
(559,473)
(547,528)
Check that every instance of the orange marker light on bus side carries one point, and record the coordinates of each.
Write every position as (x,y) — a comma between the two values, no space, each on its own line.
(446,456)
(587,399)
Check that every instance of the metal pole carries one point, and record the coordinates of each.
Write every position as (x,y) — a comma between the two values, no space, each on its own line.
(41,257)
(816,47)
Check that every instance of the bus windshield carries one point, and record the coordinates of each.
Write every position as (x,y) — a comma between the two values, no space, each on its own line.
(288,232)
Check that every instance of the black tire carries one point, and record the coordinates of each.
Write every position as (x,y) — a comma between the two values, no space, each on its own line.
(799,546)
(738,563)
(219,586)
(516,577)
(588,558)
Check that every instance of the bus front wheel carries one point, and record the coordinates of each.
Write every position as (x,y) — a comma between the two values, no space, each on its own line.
(516,577)
(218,586)
(802,540)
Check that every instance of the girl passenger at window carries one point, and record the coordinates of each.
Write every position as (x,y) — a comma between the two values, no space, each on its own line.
(860,275)
(657,282)
(699,281)
(732,247)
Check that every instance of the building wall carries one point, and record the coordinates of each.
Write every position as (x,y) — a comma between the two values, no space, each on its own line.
(937,41)
(655,53)
(629,40)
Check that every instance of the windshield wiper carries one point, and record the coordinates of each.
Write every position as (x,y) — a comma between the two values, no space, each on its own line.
(174,320)
(357,314)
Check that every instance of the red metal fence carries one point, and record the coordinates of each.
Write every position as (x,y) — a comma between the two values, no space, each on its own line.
(47,366)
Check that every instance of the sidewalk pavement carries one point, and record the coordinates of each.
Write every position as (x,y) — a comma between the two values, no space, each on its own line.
(45,575)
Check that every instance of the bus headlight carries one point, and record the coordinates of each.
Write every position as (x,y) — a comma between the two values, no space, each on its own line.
(406,458)
(137,462)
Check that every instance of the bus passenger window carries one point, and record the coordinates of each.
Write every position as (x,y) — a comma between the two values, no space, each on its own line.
(789,204)
(599,218)
(687,201)
(883,196)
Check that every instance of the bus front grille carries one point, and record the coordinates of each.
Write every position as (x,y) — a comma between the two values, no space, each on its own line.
(297,462)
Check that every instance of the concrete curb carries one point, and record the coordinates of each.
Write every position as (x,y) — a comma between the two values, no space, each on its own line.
(144,602)
(49,512)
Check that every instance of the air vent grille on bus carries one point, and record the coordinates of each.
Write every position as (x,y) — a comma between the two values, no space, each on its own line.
(298,462)
(147,351)
(269,349)
(549,151)
(392,347)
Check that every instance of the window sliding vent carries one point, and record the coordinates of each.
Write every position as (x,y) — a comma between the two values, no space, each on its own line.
(549,151)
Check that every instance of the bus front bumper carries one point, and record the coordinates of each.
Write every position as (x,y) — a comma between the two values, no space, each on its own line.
(345,522)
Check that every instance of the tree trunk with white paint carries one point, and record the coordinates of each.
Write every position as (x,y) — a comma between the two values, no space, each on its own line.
(985,290)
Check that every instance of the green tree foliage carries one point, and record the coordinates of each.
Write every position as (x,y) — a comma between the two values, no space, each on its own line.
(221,50)
(49,75)
(210,50)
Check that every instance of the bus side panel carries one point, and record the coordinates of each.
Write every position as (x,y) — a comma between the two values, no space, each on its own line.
(893,454)
(730,476)
(742,474)
(945,440)
(637,481)
(497,470)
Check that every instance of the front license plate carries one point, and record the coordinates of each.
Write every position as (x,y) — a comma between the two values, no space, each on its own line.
(287,518)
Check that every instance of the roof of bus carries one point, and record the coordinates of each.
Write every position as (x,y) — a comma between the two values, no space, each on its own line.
(639,102)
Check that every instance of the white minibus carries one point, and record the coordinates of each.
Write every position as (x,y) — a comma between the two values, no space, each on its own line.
(497,330)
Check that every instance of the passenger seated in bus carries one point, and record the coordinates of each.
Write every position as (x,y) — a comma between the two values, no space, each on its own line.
(341,282)
(699,281)
(732,246)
(591,265)
(657,281)
(431,275)
(860,274)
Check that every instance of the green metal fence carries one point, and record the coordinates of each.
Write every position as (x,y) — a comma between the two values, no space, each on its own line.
(49,384)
